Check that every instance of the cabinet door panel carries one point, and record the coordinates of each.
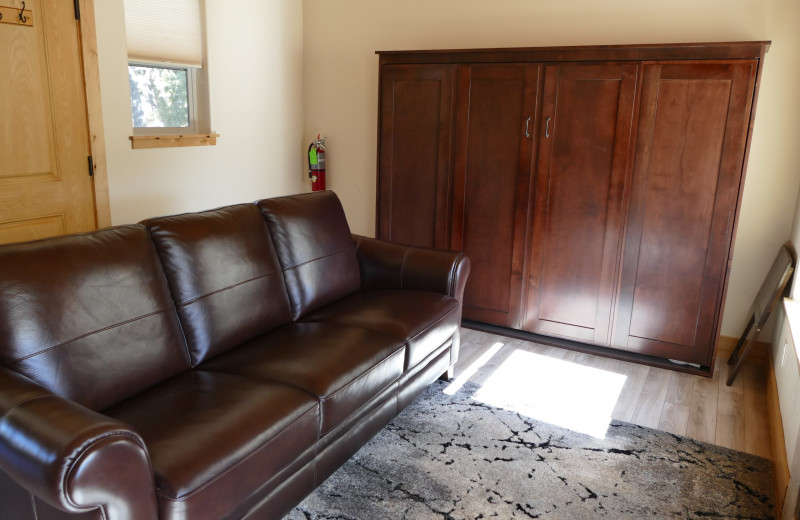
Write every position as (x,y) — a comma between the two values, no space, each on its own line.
(492,176)
(414,154)
(583,157)
(687,175)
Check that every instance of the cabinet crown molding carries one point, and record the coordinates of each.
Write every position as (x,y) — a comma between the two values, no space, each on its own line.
(641,52)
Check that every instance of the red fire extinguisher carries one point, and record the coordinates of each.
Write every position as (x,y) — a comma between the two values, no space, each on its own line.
(316,163)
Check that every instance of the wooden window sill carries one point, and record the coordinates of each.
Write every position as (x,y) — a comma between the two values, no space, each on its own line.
(172,141)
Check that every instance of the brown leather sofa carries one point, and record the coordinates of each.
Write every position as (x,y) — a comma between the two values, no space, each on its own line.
(211,365)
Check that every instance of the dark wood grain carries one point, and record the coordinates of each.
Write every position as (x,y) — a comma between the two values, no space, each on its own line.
(624,235)
(579,205)
(688,170)
(492,176)
(414,155)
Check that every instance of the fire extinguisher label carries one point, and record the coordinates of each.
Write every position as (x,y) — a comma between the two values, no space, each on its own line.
(316,164)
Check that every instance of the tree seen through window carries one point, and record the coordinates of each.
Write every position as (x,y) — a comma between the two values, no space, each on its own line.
(159,97)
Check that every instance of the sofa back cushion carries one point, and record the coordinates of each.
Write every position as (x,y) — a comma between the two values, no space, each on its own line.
(224,276)
(315,248)
(89,316)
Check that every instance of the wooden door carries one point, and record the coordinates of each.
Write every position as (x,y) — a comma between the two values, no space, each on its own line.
(495,122)
(687,175)
(583,157)
(45,186)
(414,154)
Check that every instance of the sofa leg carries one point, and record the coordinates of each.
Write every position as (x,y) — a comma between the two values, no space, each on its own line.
(448,376)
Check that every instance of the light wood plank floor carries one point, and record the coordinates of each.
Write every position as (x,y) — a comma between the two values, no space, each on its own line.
(693,406)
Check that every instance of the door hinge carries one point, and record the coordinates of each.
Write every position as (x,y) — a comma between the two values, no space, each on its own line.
(91,166)
(77,9)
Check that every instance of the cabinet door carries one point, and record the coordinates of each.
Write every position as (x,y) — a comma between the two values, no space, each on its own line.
(687,174)
(414,154)
(495,121)
(583,156)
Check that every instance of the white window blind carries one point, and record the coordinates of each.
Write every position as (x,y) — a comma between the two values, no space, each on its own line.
(162,31)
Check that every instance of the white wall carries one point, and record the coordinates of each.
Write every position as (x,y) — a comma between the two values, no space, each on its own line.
(288,70)
(784,349)
(773,174)
(783,21)
(255,66)
(341,88)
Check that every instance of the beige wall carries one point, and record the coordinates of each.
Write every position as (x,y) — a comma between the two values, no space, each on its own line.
(255,57)
(340,89)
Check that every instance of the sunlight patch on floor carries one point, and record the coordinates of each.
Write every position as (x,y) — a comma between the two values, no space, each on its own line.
(471,370)
(566,394)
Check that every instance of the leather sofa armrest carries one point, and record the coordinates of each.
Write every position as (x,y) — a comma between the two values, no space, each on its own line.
(71,457)
(385,265)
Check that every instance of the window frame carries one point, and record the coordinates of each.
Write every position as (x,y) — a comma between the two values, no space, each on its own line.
(191,96)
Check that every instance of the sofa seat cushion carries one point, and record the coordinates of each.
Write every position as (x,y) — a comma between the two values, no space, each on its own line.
(343,366)
(213,437)
(423,320)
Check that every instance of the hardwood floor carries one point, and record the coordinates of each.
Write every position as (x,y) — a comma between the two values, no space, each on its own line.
(693,406)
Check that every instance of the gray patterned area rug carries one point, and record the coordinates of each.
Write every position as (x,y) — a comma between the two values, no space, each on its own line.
(453,458)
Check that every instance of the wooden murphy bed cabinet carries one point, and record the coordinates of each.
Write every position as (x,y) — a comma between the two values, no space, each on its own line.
(595,189)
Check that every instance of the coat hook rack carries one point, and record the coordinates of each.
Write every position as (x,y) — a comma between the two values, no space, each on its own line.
(16,16)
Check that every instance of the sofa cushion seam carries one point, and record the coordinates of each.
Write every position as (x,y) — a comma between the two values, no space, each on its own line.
(259,379)
(451,311)
(244,282)
(338,252)
(83,336)
(403,268)
(185,344)
(396,381)
(369,370)
(245,499)
(33,504)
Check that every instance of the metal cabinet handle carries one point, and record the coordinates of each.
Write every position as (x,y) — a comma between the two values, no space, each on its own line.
(527,123)
(547,128)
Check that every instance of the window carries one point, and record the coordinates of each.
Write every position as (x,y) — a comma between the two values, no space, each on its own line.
(161,97)
(168,88)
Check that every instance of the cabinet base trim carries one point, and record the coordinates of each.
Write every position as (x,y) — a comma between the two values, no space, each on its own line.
(588,349)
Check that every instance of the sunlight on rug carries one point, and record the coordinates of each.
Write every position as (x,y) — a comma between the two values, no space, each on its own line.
(454,457)
(578,397)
